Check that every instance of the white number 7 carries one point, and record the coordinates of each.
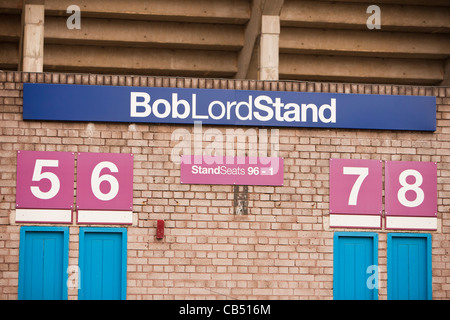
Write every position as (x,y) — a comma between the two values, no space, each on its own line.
(362,173)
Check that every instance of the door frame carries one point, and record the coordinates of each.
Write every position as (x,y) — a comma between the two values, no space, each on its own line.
(336,237)
(428,238)
(81,259)
(22,252)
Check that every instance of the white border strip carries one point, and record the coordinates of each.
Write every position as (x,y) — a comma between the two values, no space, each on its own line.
(44,215)
(104,217)
(415,223)
(355,221)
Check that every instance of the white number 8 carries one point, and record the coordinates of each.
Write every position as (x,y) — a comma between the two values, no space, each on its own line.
(96,180)
(420,196)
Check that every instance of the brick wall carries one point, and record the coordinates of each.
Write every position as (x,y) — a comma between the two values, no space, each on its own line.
(282,249)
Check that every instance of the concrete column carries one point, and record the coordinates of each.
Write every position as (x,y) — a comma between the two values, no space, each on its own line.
(269,47)
(33,37)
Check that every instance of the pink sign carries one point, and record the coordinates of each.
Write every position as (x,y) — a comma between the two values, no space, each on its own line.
(105,181)
(355,186)
(411,189)
(266,171)
(45,180)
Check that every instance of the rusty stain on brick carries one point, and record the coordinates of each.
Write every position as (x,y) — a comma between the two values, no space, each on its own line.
(240,202)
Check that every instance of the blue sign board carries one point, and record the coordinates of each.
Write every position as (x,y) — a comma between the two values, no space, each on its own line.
(65,102)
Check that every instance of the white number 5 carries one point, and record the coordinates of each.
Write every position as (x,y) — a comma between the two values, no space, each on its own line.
(362,173)
(38,175)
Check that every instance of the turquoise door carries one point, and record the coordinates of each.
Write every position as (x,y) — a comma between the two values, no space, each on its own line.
(103,263)
(43,261)
(409,266)
(355,266)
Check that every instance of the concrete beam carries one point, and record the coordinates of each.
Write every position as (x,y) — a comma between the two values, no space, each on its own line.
(402,2)
(360,69)
(446,80)
(10,27)
(9,55)
(260,52)
(251,34)
(272,7)
(211,11)
(364,43)
(343,15)
(32,45)
(140,61)
(11,6)
(146,33)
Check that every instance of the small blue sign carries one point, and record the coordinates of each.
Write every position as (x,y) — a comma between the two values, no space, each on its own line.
(65,102)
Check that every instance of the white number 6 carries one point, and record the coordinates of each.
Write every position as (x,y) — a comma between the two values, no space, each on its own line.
(96,180)
(362,173)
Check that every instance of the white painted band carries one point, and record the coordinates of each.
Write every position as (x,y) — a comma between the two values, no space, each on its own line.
(416,223)
(44,215)
(355,221)
(105,216)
